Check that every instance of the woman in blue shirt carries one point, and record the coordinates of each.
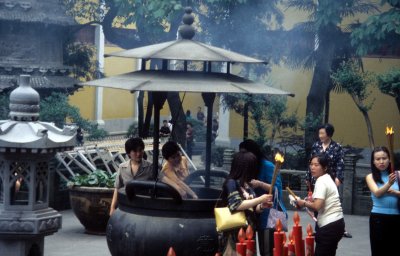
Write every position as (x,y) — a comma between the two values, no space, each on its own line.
(261,185)
(385,215)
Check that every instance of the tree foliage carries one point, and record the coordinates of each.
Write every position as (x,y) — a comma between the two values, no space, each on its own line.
(266,111)
(389,83)
(325,43)
(378,31)
(81,58)
(356,83)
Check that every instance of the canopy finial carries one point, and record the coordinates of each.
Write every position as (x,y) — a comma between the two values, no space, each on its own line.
(186,30)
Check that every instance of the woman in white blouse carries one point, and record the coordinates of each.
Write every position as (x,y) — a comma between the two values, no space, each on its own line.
(325,200)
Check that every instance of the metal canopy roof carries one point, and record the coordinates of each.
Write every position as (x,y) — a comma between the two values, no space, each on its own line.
(184,81)
(185,49)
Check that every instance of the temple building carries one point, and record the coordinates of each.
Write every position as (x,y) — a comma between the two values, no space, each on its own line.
(33,36)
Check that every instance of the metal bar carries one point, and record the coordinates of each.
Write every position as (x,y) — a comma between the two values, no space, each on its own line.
(59,158)
(209,101)
(190,160)
(86,161)
(100,155)
(62,176)
(89,156)
(79,164)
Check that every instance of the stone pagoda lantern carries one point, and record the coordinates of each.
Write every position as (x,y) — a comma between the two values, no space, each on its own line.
(26,148)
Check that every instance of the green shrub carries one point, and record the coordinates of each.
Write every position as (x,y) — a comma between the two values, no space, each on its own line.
(97,178)
(199,129)
(217,156)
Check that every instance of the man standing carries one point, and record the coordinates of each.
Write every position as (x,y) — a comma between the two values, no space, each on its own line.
(164,130)
(200,115)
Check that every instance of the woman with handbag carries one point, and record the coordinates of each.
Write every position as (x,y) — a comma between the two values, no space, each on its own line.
(261,185)
(325,200)
(385,194)
(238,195)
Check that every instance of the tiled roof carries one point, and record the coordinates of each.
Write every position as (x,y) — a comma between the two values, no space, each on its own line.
(7,81)
(43,11)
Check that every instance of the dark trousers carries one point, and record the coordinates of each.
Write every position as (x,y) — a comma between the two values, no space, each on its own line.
(266,241)
(327,238)
(383,236)
(189,148)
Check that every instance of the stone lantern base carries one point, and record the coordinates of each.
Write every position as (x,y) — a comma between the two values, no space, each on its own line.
(22,232)
(33,246)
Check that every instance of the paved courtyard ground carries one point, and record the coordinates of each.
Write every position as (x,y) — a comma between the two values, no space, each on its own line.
(71,240)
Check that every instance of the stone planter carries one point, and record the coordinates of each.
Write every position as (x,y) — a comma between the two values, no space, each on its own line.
(91,206)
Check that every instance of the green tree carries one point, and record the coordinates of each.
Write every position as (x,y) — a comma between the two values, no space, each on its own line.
(320,44)
(266,110)
(277,116)
(80,57)
(379,31)
(355,82)
(389,83)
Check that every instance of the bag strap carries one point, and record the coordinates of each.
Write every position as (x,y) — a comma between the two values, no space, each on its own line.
(277,201)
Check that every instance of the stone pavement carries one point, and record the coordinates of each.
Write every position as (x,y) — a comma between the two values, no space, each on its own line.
(71,239)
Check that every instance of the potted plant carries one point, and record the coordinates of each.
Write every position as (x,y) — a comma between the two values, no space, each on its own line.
(90,198)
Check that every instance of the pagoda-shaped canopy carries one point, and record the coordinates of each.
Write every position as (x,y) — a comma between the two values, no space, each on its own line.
(185,49)
(169,79)
(180,81)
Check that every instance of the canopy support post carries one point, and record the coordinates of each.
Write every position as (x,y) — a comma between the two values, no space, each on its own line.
(159,100)
(209,101)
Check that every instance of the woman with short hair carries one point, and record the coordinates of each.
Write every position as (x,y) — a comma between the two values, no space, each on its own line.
(175,169)
(136,168)
(325,200)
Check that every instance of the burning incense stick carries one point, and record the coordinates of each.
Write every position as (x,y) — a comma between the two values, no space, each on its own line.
(390,136)
(278,164)
(291,192)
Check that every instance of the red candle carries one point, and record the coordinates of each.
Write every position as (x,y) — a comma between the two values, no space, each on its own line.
(298,235)
(171,252)
(285,247)
(291,249)
(278,239)
(285,250)
(309,241)
(241,246)
(250,243)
